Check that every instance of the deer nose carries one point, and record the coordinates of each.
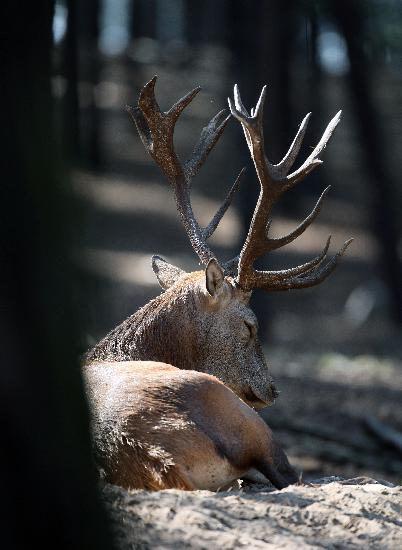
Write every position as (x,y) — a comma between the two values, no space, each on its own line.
(266,396)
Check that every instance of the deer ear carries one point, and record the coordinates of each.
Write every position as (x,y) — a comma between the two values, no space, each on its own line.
(167,274)
(213,277)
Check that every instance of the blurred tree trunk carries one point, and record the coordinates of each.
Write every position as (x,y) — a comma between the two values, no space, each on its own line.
(49,491)
(88,14)
(312,103)
(195,21)
(70,116)
(349,17)
(276,33)
(205,21)
(261,38)
(143,18)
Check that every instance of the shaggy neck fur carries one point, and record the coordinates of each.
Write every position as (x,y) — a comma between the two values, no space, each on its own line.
(162,330)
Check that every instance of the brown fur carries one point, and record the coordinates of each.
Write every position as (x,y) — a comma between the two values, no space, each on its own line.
(155,331)
(158,427)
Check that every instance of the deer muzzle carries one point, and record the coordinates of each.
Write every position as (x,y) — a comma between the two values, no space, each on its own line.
(259,397)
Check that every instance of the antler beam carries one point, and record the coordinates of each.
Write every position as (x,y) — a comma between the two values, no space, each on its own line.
(156,129)
(274,181)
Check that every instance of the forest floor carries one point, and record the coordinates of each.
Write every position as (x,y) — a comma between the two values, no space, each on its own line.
(330,513)
(335,413)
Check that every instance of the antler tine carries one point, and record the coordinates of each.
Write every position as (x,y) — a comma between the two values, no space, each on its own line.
(303,269)
(313,277)
(213,224)
(156,129)
(258,110)
(274,243)
(208,138)
(274,180)
(240,112)
(147,101)
(288,160)
(176,110)
(238,102)
(313,161)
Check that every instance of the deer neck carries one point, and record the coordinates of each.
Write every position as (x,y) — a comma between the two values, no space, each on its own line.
(163,330)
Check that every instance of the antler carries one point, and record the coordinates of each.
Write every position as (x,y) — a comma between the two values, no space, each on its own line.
(156,129)
(275,180)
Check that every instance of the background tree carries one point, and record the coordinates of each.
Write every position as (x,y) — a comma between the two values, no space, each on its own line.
(350,17)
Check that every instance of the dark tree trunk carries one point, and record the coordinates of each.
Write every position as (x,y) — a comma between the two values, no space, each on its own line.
(49,491)
(88,14)
(143,18)
(276,33)
(205,21)
(349,17)
(312,102)
(70,115)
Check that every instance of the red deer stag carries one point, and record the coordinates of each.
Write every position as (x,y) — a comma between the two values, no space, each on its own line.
(161,426)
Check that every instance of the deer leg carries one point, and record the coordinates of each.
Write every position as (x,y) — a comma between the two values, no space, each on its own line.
(275,467)
(282,465)
(265,472)
(271,473)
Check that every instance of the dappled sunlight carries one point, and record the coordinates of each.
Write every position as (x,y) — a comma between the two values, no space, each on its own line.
(332,348)
(364,248)
(119,195)
(122,196)
(127,267)
(362,370)
(119,266)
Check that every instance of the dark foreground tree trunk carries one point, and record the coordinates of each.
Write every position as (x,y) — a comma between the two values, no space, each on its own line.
(49,497)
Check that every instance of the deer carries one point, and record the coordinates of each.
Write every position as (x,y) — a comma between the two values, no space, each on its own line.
(175,388)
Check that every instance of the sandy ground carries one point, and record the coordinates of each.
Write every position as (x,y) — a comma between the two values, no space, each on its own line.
(328,513)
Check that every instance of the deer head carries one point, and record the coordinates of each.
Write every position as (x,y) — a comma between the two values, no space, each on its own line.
(203,321)
(218,330)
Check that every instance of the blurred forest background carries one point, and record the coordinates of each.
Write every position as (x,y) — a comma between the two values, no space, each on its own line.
(335,350)
(315,56)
